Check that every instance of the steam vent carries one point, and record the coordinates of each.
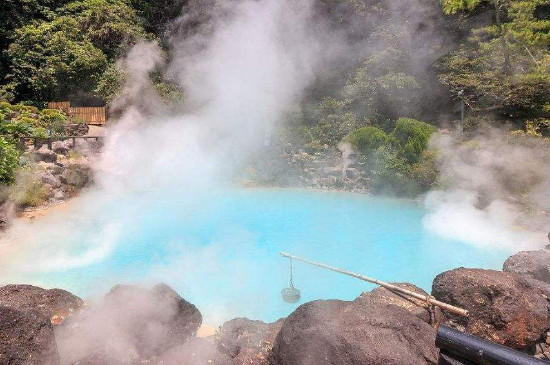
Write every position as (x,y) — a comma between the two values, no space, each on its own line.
(274,182)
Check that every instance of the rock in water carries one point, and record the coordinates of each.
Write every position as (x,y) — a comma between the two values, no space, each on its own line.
(131,323)
(247,341)
(532,264)
(26,338)
(503,307)
(54,304)
(349,333)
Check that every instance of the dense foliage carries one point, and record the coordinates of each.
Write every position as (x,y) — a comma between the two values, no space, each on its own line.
(9,161)
(399,162)
(57,49)
(503,67)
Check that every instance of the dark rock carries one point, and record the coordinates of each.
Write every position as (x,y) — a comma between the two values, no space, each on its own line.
(48,178)
(44,154)
(60,147)
(247,341)
(415,306)
(533,264)
(26,338)
(163,318)
(77,175)
(54,304)
(130,323)
(503,307)
(358,332)
(76,129)
(196,351)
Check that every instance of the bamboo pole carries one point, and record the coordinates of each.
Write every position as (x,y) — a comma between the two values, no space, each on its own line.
(395,288)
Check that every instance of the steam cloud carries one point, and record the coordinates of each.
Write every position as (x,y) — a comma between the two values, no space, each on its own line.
(240,77)
(494,191)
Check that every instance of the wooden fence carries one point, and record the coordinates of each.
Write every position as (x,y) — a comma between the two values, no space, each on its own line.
(90,115)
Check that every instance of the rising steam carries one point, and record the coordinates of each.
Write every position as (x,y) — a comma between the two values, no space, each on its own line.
(240,76)
(494,190)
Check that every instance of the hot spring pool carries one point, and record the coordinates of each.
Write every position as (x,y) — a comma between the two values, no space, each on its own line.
(220,250)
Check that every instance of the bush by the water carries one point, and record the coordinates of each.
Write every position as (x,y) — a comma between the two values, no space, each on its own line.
(413,137)
(399,162)
(368,139)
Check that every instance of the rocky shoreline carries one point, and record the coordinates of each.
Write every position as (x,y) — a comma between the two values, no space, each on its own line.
(56,175)
(133,325)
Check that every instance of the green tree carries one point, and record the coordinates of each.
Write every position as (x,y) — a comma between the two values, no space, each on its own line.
(503,67)
(70,50)
(413,137)
(368,139)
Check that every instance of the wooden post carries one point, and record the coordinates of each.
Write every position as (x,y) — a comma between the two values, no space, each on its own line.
(391,287)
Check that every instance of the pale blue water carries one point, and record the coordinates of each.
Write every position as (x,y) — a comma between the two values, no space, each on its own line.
(220,251)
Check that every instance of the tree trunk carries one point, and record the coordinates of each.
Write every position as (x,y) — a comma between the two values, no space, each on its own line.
(504,44)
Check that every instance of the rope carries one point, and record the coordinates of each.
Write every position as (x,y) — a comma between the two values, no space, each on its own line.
(291,281)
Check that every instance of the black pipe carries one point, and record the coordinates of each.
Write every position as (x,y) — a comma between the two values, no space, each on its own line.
(478,351)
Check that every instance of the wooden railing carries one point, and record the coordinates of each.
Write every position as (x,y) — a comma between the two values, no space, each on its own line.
(38,141)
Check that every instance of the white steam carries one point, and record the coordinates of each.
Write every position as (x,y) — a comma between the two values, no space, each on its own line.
(493,191)
(239,78)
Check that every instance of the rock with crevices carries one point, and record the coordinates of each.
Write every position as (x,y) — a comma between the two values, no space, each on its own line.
(26,338)
(503,307)
(327,332)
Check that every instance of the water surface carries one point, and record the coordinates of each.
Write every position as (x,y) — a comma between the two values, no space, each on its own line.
(220,250)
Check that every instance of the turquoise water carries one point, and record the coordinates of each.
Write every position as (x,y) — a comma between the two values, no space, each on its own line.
(220,250)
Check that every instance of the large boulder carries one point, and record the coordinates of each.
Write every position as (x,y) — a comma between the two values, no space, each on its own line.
(503,307)
(43,154)
(48,178)
(417,307)
(77,175)
(60,147)
(76,129)
(131,322)
(532,264)
(26,338)
(357,332)
(248,341)
(54,304)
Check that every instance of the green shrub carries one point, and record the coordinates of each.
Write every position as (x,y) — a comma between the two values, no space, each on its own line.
(53,120)
(425,173)
(35,195)
(413,137)
(16,128)
(9,161)
(390,172)
(368,139)
(301,136)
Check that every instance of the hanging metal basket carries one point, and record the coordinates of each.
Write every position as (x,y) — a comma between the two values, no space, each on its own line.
(291,294)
